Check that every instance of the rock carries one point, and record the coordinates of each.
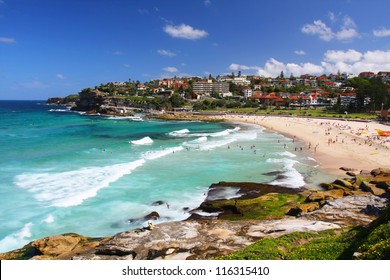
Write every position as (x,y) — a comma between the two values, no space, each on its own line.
(352,174)
(158,203)
(343,183)
(367,187)
(383,185)
(333,194)
(303,208)
(365,172)
(347,169)
(152,216)
(315,197)
(380,171)
(295,211)
(348,210)
(309,207)
(56,245)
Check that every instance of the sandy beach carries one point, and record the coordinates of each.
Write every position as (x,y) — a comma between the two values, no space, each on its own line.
(333,143)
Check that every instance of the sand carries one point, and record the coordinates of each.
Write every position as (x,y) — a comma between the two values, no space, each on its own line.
(332,143)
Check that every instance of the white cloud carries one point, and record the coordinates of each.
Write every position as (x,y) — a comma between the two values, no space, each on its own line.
(382,32)
(347,29)
(350,61)
(166,53)
(300,52)
(319,28)
(7,40)
(236,67)
(342,56)
(60,76)
(171,69)
(185,32)
(273,68)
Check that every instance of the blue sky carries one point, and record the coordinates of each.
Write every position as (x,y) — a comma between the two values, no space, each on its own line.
(57,47)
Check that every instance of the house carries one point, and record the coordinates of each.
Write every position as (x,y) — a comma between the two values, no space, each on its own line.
(208,87)
(247,92)
(271,100)
(366,75)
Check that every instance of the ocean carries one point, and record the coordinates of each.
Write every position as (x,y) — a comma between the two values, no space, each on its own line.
(64,171)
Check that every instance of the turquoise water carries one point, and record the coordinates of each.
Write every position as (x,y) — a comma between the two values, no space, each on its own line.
(64,172)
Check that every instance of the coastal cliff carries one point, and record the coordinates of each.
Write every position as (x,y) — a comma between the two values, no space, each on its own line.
(350,216)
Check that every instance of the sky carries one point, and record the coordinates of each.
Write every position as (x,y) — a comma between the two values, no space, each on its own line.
(54,48)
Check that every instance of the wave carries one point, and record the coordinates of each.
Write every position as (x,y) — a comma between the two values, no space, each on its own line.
(49,219)
(291,177)
(179,133)
(186,133)
(286,154)
(16,239)
(144,141)
(133,118)
(150,155)
(71,188)
(60,110)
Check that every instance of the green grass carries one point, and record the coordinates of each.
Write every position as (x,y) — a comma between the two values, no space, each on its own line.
(298,112)
(268,206)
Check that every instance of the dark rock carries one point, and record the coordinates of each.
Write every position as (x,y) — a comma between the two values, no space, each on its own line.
(367,187)
(372,210)
(352,174)
(343,183)
(158,203)
(114,250)
(273,173)
(152,216)
(295,211)
(380,171)
(348,169)
(383,185)
(186,209)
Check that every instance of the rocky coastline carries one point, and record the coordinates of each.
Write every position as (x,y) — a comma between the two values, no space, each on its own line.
(222,225)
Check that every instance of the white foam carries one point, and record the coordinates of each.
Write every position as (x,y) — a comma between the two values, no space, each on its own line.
(133,118)
(49,219)
(179,133)
(293,179)
(59,110)
(215,144)
(70,188)
(150,155)
(16,239)
(286,154)
(144,141)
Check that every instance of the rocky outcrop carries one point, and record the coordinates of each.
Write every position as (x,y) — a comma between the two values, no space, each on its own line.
(343,204)
(90,100)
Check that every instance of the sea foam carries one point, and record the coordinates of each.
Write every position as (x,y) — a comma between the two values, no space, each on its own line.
(144,141)
(150,155)
(70,188)
(16,239)
(292,179)
(179,133)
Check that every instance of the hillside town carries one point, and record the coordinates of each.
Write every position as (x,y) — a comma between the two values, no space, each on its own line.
(367,91)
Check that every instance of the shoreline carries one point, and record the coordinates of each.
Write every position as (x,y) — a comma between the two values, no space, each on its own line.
(332,143)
